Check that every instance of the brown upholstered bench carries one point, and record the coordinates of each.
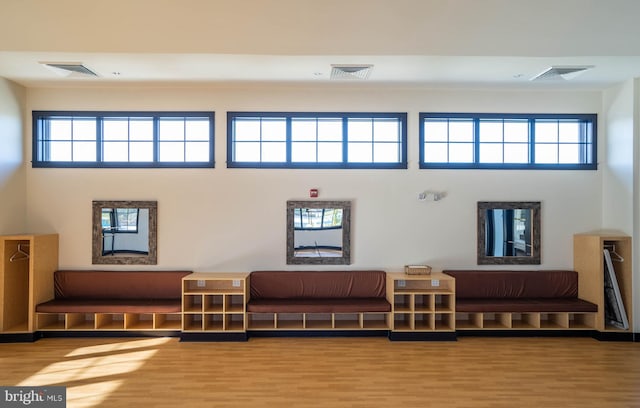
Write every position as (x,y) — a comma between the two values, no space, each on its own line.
(90,299)
(318,300)
(530,295)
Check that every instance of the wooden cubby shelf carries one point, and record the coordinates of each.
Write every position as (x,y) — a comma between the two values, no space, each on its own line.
(214,302)
(109,321)
(525,321)
(319,321)
(421,303)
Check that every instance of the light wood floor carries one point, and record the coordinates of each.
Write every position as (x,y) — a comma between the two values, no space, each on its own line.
(331,372)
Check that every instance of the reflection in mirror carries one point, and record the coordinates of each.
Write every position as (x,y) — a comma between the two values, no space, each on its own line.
(124,232)
(318,232)
(508,233)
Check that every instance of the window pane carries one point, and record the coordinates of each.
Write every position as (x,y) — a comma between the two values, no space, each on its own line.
(171,151)
(115,151)
(115,129)
(491,153)
(360,153)
(569,153)
(60,151)
(330,152)
(516,153)
(197,129)
(386,153)
(171,129)
(197,151)
(141,129)
(436,131)
(360,130)
(246,129)
(274,152)
(274,129)
(330,130)
(247,152)
(569,132)
(303,130)
(84,129)
(546,132)
(436,153)
(546,153)
(84,151)
(60,129)
(490,131)
(141,151)
(516,131)
(386,130)
(303,152)
(461,153)
(461,131)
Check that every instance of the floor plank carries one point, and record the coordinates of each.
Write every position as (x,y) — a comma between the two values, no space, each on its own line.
(331,372)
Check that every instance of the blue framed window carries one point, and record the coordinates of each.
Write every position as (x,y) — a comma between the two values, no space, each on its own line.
(508,141)
(123,139)
(317,140)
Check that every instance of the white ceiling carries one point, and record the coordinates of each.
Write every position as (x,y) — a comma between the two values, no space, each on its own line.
(432,43)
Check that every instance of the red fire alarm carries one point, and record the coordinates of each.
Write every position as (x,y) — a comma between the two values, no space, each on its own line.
(313,193)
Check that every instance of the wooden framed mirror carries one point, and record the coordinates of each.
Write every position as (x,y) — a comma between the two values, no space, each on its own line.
(318,232)
(508,233)
(125,232)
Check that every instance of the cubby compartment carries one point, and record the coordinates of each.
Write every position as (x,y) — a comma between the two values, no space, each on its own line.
(423,321)
(347,321)
(138,321)
(50,321)
(318,321)
(496,320)
(525,321)
(109,321)
(167,321)
(290,321)
(582,320)
(444,303)
(444,322)
(192,304)
(402,302)
(234,303)
(213,303)
(403,321)
(234,322)
(214,322)
(554,320)
(468,321)
(261,321)
(192,322)
(375,321)
(80,321)
(423,302)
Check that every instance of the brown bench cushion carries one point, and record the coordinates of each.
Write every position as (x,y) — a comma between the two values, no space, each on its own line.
(318,305)
(110,306)
(118,284)
(89,291)
(474,284)
(318,292)
(317,284)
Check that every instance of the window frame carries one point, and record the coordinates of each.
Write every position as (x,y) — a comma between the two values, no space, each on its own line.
(344,164)
(530,118)
(39,117)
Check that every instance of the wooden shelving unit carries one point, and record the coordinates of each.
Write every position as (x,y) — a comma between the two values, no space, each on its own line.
(319,321)
(588,261)
(109,321)
(422,303)
(525,321)
(214,302)
(27,264)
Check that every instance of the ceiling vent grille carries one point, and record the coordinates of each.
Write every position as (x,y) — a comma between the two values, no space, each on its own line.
(561,72)
(70,68)
(350,71)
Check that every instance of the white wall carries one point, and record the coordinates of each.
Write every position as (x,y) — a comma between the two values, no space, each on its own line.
(12,169)
(234,219)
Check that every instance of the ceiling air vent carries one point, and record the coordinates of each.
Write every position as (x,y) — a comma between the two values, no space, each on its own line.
(68,68)
(350,71)
(561,72)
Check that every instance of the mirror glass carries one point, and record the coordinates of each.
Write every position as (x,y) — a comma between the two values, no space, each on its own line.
(509,233)
(318,232)
(124,232)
